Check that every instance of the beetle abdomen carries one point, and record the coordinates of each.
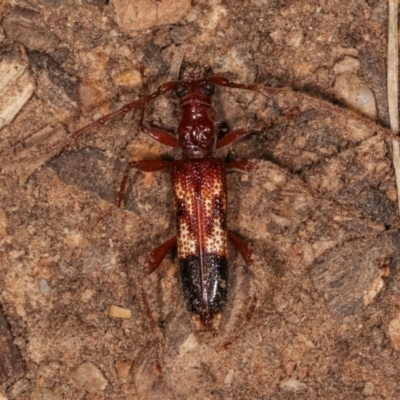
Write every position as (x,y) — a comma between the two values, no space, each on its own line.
(200,203)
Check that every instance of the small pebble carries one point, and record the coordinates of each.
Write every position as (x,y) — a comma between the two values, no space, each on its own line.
(356,94)
(16,85)
(44,286)
(3,224)
(129,79)
(28,27)
(348,64)
(49,135)
(276,36)
(188,345)
(394,333)
(369,389)
(90,93)
(123,368)
(295,39)
(98,260)
(19,389)
(89,378)
(293,385)
(45,394)
(87,294)
(238,64)
(376,286)
(119,312)
(139,15)
(229,378)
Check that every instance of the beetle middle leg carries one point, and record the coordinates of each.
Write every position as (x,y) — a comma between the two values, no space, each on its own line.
(157,255)
(144,166)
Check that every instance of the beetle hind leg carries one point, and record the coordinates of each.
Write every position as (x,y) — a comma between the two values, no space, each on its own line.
(243,248)
(157,255)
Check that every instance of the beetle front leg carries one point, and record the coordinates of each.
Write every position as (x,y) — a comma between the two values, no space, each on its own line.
(159,135)
(144,166)
(233,137)
(241,165)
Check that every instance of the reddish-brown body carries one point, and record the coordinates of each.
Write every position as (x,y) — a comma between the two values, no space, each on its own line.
(200,197)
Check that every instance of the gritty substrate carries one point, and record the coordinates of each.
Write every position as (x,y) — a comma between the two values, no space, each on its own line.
(319,209)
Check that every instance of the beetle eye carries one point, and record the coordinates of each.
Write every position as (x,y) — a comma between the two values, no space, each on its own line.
(207,88)
(182,90)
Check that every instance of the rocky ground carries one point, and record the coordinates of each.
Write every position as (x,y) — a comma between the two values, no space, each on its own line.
(319,209)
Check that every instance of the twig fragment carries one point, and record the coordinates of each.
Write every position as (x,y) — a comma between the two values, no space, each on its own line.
(393,87)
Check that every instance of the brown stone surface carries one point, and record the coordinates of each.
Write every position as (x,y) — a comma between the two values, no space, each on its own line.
(319,210)
(16,83)
(11,364)
(139,15)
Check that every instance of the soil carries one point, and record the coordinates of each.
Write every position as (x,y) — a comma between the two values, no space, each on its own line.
(319,209)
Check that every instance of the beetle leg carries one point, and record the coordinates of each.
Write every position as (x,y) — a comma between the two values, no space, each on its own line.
(142,101)
(241,165)
(159,135)
(142,165)
(233,137)
(242,246)
(152,263)
(157,255)
(299,97)
(244,322)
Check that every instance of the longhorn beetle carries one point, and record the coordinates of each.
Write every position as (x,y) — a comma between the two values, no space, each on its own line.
(200,199)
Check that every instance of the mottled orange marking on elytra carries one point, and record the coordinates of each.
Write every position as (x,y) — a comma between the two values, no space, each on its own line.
(200,204)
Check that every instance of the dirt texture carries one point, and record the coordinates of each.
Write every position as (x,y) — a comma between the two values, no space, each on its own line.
(319,209)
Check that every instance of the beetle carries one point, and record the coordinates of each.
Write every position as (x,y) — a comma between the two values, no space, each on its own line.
(200,200)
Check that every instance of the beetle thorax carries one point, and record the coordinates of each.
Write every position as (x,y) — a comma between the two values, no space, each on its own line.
(196,130)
